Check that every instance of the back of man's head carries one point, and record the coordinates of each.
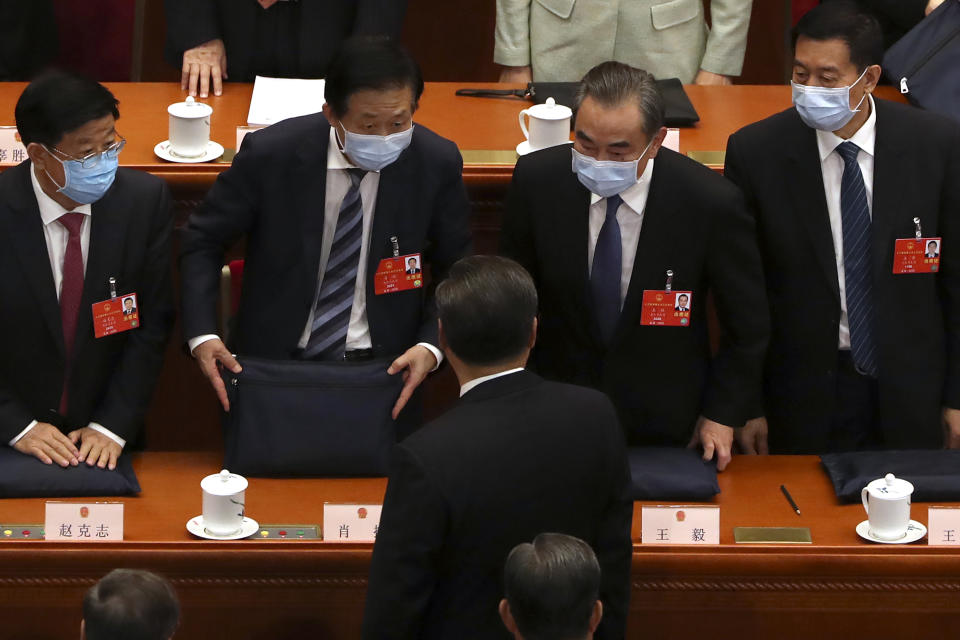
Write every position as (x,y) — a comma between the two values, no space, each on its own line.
(129,604)
(487,306)
(552,588)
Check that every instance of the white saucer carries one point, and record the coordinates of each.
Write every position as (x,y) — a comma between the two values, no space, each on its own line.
(524,147)
(915,531)
(214,151)
(247,529)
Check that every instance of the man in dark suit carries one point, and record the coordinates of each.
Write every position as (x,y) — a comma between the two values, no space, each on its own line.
(210,40)
(613,237)
(683,301)
(322,199)
(412,267)
(69,222)
(933,249)
(517,456)
(860,357)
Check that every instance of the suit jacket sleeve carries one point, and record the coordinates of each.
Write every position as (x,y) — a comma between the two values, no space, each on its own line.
(727,42)
(189,23)
(512,35)
(227,212)
(406,557)
(739,291)
(380,17)
(950,267)
(449,236)
(614,545)
(14,417)
(735,171)
(517,240)
(132,383)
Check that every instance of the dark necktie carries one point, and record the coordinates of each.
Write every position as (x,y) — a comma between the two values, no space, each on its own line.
(331,315)
(858,277)
(606,272)
(71,290)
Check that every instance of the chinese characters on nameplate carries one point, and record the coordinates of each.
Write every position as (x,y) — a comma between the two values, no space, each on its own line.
(351,522)
(680,524)
(12,151)
(943,528)
(84,521)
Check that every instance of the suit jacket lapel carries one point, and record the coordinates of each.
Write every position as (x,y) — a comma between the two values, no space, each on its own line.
(311,183)
(889,167)
(26,235)
(393,193)
(108,223)
(810,200)
(655,230)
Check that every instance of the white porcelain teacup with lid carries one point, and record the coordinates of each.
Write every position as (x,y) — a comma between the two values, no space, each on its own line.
(549,124)
(887,503)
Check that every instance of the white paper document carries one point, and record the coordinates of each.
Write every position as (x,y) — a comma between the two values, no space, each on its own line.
(276,99)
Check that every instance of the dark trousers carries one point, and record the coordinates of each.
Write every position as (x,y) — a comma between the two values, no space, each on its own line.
(856,423)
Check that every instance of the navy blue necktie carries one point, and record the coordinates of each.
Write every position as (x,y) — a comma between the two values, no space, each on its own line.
(331,315)
(858,277)
(606,272)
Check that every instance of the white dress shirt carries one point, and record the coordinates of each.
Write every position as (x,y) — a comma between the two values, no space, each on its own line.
(478,381)
(338,184)
(831,165)
(56,237)
(630,219)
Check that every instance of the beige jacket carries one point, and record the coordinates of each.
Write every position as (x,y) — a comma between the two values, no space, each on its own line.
(563,39)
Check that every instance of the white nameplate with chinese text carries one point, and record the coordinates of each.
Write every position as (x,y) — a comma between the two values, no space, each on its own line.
(943,526)
(672,140)
(680,524)
(351,522)
(12,150)
(84,521)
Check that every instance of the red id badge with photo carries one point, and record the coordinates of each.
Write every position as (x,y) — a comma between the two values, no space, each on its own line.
(398,274)
(116,315)
(666,308)
(917,255)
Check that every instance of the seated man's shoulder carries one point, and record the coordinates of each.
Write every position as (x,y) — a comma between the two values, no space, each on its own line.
(767,132)
(924,127)
(432,148)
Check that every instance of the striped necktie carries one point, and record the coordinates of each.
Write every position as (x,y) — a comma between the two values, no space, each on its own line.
(331,314)
(858,277)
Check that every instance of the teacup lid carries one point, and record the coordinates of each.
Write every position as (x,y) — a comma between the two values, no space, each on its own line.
(890,487)
(190,108)
(550,110)
(223,483)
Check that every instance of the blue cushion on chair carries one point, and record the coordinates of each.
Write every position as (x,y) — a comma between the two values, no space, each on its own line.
(23,476)
(664,473)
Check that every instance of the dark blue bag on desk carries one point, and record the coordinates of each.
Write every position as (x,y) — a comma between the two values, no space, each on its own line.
(925,63)
(305,418)
(23,476)
(666,473)
(934,474)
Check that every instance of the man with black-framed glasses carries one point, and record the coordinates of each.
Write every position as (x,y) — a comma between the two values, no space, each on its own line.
(78,235)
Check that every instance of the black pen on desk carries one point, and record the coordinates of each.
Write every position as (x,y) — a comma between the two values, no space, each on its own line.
(789,498)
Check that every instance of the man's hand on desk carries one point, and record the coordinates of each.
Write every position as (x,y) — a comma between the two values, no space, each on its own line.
(752,437)
(415,363)
(708,77)
(715,439)
(951,428)
(209,356)
(46,443)
(517,75)
(96,448)
(200,64)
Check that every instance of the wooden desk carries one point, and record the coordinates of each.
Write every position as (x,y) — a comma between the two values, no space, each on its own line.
(839,587)
(473,123)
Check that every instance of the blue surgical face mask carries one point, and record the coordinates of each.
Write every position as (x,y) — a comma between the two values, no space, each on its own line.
(372,152)
(606,177)
(826,109)
(87,185)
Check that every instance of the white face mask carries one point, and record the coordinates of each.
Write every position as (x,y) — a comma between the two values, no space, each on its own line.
(826,109)
(373,152)
(607,177)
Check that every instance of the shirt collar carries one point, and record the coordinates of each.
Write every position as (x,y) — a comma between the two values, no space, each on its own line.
(865,137)
(335,157)
(634,196)
(50,209)
(478,381)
